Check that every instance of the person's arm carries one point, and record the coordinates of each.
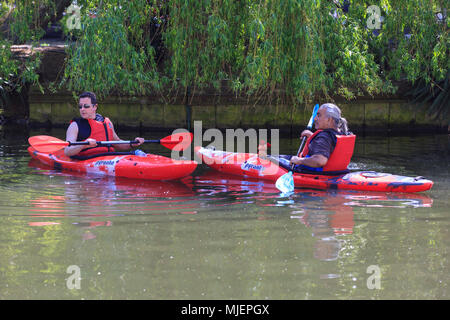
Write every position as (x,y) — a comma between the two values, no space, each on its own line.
(125,147)
(305,133)
(322,146)
(71,136)
(315,161)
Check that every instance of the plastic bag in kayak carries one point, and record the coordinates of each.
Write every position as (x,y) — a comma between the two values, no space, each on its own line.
(139,153)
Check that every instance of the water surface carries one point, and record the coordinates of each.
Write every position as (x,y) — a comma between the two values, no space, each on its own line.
(212,236)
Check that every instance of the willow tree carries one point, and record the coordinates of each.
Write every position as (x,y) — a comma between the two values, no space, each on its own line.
(301,49)
(206,42)
(113,54)
(414,44)
(23,22)
(294,50)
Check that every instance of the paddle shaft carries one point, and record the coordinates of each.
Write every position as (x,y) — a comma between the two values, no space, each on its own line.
(285,183)
(308,127)
(177,142)
(300,149)
(106,143)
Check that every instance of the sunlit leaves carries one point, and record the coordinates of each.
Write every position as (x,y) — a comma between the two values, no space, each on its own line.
(293,49)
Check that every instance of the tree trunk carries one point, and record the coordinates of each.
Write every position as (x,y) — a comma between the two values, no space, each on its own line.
(17,109)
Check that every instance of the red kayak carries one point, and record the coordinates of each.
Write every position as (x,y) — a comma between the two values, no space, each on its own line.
(149,167)
(250,165)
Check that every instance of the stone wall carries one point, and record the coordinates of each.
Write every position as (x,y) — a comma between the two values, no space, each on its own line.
(364,116)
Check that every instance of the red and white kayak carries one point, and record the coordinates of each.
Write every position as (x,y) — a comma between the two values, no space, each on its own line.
(149,167)
(250,165)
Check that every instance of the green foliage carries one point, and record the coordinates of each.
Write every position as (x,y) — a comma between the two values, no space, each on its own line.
(25,26)
(413,42)
(350,64)
(108,62)
(266,48)
(294,50)
(14,73)
(8,66)
(414,46)
(206,42)
(285,52)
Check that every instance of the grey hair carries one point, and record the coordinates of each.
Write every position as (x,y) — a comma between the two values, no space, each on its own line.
(334,112)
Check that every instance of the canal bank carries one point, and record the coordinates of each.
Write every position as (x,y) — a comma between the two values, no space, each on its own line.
(364,115)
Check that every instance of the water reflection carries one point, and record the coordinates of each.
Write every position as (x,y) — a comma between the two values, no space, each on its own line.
(213,236)
(89,197)
(214,183)
(329,214)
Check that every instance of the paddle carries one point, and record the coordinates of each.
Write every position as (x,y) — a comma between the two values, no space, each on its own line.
(48,144)
(285,183)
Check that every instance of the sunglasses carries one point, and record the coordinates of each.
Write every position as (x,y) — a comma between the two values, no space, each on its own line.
(86,106)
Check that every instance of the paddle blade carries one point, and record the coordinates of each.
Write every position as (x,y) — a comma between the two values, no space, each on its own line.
(47,144)
(285,183)
(314,114)
(178,141)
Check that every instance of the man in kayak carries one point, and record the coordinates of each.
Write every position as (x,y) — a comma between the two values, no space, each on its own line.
(92,127)
(329,120)
(320,147)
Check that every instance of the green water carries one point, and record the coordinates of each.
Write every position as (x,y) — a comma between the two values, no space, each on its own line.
(218,237)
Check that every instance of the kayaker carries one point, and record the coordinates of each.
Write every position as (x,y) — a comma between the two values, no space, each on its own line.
(329,120)
(320,147)
(92,127)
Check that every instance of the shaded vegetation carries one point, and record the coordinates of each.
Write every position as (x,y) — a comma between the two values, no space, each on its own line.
(290,51)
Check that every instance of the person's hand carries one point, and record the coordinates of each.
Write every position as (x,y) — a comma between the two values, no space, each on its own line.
(139,140)
(262,149)
(306,133)
(92,143)
(295,160)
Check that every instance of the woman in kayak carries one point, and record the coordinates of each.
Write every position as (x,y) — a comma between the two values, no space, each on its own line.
(320,145)
(92,127)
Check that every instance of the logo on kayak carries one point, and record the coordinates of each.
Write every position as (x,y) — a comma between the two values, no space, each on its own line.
(104,163)
(105,166)
(247,166)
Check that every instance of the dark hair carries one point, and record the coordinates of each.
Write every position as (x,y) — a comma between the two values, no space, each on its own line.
(91,95)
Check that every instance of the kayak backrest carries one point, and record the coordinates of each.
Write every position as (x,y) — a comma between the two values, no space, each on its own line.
(342,153)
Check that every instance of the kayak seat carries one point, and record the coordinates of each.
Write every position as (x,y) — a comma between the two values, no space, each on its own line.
(342,154)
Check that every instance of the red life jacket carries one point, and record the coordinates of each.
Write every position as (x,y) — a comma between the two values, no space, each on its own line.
(341,155)
(100,129)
